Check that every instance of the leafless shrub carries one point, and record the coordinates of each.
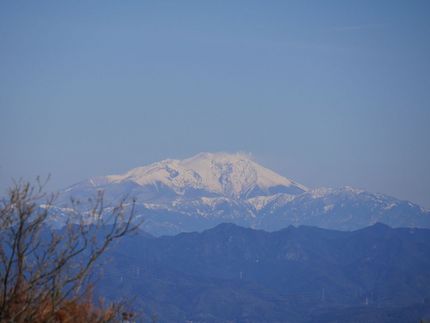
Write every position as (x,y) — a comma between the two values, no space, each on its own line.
(44,272)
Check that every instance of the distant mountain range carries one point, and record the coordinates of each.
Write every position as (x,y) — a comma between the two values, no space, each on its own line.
(210,188)
(298,274)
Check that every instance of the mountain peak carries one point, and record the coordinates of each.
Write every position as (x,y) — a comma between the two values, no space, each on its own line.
(234,175)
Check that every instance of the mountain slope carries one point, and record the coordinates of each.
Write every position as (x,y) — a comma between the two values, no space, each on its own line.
(210,188)
(232,175)
(230,273)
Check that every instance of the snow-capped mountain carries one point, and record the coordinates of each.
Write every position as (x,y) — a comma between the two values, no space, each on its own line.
(230,175)
(210,188)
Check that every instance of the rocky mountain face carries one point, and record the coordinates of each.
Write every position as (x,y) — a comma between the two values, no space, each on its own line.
(210,188)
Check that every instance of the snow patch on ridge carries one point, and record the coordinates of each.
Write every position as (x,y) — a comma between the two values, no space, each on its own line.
(260,202)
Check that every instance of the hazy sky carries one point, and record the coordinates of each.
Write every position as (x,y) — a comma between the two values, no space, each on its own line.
(329,93)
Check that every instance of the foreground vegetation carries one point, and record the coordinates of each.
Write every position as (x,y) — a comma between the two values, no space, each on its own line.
(45,273)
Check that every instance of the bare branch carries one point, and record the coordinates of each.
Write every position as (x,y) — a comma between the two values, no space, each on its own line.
(43,270)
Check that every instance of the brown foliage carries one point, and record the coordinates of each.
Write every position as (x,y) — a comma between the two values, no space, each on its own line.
(44,272)
(68,311)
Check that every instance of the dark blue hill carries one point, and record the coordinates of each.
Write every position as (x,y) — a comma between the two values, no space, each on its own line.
(231,273)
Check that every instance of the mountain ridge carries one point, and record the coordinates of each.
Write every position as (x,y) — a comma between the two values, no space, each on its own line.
(204,190)
(232,273)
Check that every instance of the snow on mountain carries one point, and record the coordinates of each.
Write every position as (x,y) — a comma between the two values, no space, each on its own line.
(232,175)
(210,188)
(343,208)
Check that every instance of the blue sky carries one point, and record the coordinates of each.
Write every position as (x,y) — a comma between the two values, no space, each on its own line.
(329,93)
